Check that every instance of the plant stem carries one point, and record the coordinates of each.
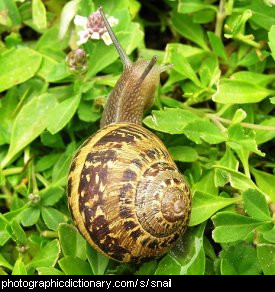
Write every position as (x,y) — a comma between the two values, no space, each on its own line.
(42,180)
(13,170)
(220,19)
(8,195)
(49,234)
(246,125)
(218,123)
(34,182)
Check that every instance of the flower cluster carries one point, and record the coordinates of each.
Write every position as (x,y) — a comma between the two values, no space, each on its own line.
(94,28)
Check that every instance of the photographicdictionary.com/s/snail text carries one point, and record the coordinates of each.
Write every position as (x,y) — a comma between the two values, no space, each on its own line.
(84,283)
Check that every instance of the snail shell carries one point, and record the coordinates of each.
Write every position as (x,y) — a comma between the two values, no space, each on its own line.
(126,195)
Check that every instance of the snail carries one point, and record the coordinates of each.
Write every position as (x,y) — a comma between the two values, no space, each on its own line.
(125,193)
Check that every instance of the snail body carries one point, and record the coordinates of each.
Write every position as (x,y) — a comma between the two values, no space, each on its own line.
(125,193)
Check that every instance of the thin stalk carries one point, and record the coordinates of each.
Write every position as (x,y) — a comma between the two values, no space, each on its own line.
(13,170)
(246,125)
(34,182)
(8,195)
(42,180)
(49,234)
(220,19)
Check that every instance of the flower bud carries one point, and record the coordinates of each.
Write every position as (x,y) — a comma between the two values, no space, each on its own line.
(77,60)
(34,199)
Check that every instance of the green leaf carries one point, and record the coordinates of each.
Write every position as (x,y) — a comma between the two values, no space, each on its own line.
(188,29)
(190,6)
(5,263)
(51,59)
(148,268)
(229,161)
(239,116)
(61,167)
(205,205)
(263,15)
(232,227)
(183,153)
(240,259)
(206,183)
(50,41)
(68,13)
(252,59)
(52,217)
(46,162)
(209,71)
(68,239)
(49,271)
(17,66)
(270,235)
(62,114)
(47,256)
(237,179)
(237,25)
(255,205)
(98,262)
(262,136)
(54,141)
(161,120)
(266,256)
(217,45)
(72,243)
(187,256)
(87,113)
(12,10)
(193,55)
(239,138)
(232,91)
(194,130)
(265,181)
(58,72)
(8,105)
(205,130)
(182,66)
(30,216)
(19,267)
(204,16)
(4,237)
(271,38)
(39,16)
(51,195)
(18,232)
(29,124)
(253,77)
(74,266)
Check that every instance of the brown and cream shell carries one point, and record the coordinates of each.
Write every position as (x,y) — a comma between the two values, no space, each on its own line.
(126,195)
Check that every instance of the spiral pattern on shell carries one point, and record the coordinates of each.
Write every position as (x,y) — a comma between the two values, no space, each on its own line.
(126,195)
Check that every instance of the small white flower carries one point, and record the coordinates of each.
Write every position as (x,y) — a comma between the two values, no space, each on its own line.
(83,36)
(107,39)
(94,28)
(80,20)
(113,21)
(95,36)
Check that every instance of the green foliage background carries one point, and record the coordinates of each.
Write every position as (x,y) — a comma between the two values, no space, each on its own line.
(214,111)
